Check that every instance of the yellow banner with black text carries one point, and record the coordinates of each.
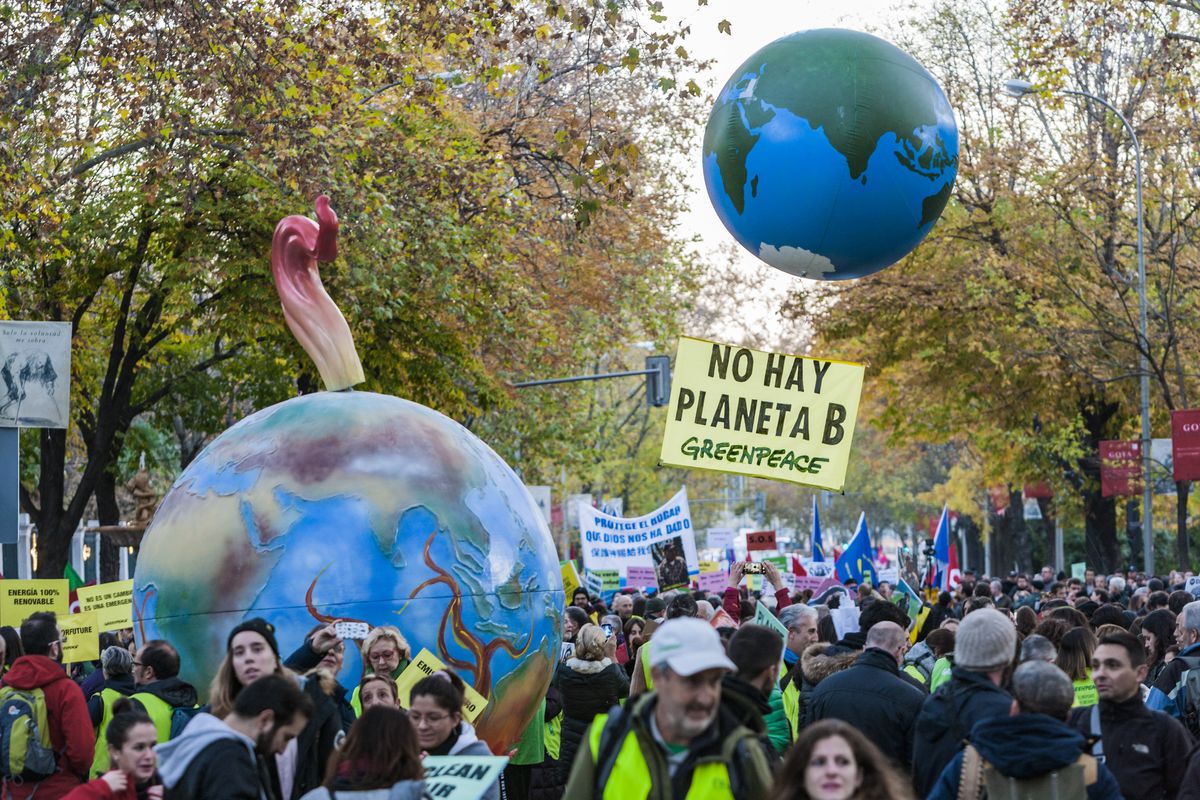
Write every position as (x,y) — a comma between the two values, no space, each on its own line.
(767,415)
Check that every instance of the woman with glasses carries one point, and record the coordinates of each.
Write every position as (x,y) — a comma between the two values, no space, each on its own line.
(385,651)
(435,710)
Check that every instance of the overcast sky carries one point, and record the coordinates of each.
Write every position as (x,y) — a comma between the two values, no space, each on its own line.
(756,23)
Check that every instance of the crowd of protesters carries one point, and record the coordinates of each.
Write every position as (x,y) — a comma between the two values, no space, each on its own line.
(1027,686)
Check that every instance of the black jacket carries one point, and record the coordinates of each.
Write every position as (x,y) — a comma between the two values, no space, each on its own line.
(172,691)
(223,771)
(304,659)
(872,697)
(946,717)
(1146,750)
(123,684)
(588,688)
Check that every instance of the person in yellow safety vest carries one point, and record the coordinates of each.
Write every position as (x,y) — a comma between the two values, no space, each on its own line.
(385,651)
(117,664)
(675,743)
(159,689)
(801,623)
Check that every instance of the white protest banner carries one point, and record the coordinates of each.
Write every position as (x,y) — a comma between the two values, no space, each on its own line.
(819,569)
(662,540)
(720,538)
(461,777)
(890,576)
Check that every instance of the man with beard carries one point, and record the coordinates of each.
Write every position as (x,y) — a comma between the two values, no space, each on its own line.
(677,740)
(673,570)
(218,759)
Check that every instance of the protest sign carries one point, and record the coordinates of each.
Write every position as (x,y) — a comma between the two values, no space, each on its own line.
(19,599)
(812,582)
(763,616)
(760,540)
(721,619)
(1192,586)
(1079,570)
(604,582)
(424,665)
(712,582)
(80,637)
(767,415)
(461,777)
(112,602)
(709,566)
(819,569)
(780,562)
(641,577)
(662,539)
(720,538)
(890,576)
(845,619)
(570,578)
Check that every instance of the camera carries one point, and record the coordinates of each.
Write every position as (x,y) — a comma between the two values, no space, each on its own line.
(753,568)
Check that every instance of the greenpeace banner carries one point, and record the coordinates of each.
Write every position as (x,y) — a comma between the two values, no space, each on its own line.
(662,540)
(767,415)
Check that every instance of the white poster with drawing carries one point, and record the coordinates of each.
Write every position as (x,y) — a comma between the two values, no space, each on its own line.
(35,374)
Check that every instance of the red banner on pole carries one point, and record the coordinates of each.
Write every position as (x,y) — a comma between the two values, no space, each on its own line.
(1039,491)
(1185,444)
(761,540)
(1121,468)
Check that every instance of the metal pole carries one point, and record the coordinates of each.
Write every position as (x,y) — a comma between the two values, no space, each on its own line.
(579,378)
(1143,341)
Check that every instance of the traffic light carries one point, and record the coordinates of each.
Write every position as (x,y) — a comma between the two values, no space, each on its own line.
(658,381)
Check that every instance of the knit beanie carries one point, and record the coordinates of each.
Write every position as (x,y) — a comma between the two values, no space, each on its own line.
(256,625)
(986,640)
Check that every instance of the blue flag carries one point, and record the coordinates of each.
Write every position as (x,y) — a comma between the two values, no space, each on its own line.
(941,539)
(855,562)
(818,547)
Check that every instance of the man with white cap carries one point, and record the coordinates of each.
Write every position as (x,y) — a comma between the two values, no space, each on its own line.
(676,740)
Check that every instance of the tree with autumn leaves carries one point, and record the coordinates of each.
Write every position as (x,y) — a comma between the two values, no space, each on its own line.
(504,172)
(1012,332)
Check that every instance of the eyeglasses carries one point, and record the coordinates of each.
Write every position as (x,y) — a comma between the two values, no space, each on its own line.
(386,655)
(432,719)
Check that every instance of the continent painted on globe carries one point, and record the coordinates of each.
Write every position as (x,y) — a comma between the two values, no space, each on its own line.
(830,153)
(359,506)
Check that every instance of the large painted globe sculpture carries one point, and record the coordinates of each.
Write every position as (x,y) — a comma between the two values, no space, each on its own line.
(830,154)
(355,506)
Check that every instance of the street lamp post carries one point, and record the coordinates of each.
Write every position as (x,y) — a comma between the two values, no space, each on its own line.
(1018,89)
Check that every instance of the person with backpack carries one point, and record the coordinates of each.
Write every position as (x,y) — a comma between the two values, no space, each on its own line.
(984,647)
(1146,750)
(676,740)
(38,696)
(1177,690)
(169,701)
(117,665)
(130,770)
(1032,752)
(219,759)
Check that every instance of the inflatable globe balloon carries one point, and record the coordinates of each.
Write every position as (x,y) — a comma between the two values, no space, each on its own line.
(344,505)
(830,154)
